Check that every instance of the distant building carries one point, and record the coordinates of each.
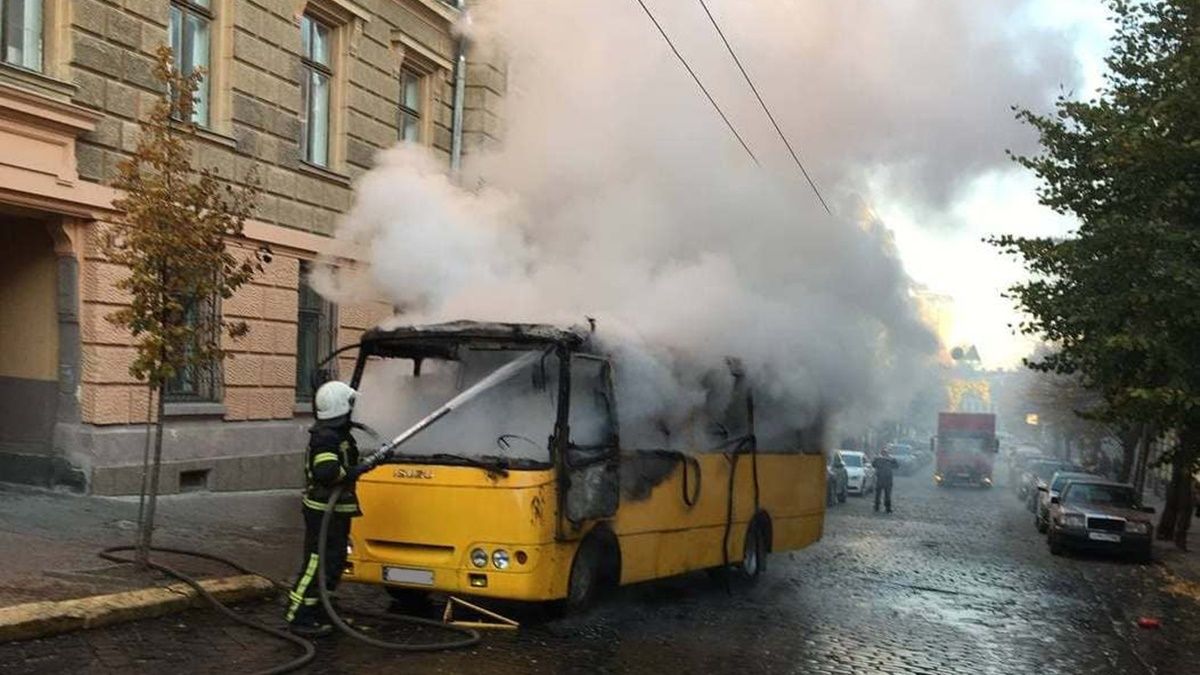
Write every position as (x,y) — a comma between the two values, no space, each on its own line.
(308,90)
(937,310)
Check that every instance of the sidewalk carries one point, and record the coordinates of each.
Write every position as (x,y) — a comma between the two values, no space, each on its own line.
(1185,565)
(49,540)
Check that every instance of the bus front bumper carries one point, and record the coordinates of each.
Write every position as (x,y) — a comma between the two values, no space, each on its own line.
(539,579)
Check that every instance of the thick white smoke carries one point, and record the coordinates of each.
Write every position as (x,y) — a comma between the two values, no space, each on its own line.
(619,195)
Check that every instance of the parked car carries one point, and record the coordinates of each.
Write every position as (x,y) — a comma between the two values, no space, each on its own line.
(1042,516)
(1100,515)
(836,480)
(1019,458)
(1039,474)
(860,475)
(1022,478)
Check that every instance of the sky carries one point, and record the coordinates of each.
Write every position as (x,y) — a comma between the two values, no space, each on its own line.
(943,250)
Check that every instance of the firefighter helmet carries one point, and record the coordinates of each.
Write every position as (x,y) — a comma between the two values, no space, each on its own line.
(334,399)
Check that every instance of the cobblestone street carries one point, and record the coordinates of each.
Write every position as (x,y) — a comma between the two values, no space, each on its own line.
(956,581)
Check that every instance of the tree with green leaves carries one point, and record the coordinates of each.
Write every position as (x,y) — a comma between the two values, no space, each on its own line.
(1119,299)
(176,220)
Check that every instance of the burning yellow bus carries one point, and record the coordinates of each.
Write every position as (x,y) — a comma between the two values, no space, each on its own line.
(525,491)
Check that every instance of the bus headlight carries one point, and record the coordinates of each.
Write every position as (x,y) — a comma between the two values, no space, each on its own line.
(500,559)
(479,557)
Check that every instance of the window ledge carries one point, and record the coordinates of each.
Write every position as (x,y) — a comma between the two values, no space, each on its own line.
(198,409)
(303,408)
(38,82)
(323,173)
(216,137)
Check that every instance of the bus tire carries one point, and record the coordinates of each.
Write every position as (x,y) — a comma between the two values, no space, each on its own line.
(754,551)
(595,568)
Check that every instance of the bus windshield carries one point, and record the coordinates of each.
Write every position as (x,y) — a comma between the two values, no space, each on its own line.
(511,421)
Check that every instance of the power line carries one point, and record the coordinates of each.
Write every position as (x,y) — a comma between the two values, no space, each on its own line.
(698,82)
(767,110)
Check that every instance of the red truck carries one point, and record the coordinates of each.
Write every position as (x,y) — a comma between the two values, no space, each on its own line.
(965,448)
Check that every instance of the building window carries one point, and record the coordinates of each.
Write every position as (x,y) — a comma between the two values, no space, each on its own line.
(314,336)
(195,382)
(315,81)
(21,33)
(411,105)
(191,42)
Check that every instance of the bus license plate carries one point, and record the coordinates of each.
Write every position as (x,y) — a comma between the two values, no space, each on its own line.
(408,575)
(1104,536)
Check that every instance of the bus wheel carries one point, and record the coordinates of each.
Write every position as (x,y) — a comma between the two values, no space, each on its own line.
(754,553)
(588,576)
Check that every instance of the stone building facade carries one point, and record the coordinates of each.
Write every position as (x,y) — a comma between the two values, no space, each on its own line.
(307,91)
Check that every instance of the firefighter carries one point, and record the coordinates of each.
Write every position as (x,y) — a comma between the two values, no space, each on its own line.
(331,459)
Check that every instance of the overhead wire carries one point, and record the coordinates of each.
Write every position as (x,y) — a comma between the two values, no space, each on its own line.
(700,84)
(766,109)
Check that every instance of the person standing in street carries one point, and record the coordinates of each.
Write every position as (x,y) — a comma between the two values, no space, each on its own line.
(331,460)
(885,467)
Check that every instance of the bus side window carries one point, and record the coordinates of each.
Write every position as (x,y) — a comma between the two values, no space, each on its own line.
(591,410)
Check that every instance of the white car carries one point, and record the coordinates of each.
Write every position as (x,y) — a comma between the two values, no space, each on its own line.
(860,476)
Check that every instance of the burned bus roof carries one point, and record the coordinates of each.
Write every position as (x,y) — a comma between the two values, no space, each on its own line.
(440,339)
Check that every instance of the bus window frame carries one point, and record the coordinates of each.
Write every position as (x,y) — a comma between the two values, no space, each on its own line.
(568,528)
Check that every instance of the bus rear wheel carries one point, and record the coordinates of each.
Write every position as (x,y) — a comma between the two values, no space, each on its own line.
(754,553)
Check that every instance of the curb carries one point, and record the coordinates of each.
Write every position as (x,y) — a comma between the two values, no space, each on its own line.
(42,619)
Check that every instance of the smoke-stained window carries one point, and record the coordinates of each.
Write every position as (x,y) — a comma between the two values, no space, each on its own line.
(590,416)
(316,77)
(315,334)
(21,33)
(190,41)
(513,418)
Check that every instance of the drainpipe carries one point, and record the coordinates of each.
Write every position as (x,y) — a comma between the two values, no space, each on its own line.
(460,88)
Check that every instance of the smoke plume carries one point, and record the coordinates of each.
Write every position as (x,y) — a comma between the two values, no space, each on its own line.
(618,194)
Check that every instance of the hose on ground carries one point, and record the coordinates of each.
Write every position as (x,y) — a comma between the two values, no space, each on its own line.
(310,651)
(469,637)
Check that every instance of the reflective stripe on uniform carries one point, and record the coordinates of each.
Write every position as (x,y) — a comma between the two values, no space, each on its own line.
(297,595)
(323,506)
(322,457)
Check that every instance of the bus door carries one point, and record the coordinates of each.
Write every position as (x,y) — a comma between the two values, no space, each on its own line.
(592,460)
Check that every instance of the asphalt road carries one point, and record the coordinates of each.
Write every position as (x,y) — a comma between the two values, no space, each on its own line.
(955,581)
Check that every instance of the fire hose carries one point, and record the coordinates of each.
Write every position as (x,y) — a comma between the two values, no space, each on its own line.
(468,636)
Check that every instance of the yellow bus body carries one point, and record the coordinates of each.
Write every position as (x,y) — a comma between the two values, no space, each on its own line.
(429,518)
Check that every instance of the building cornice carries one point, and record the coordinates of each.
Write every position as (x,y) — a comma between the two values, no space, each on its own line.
(39,110)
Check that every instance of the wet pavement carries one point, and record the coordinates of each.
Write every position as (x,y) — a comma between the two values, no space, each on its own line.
(955,581)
